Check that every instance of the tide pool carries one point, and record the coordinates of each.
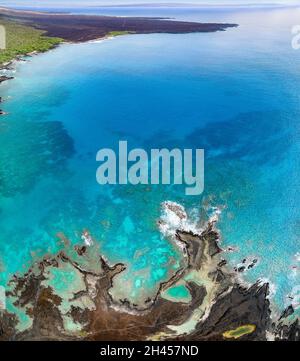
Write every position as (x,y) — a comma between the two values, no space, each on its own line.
(234,94)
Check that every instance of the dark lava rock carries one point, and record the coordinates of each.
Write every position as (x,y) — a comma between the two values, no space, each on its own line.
(241,306)
(80,28)
(222,263)
(80,250)
(287,312)
(5,78)
(218,276)
(232,305)
(8,323)
(288,332)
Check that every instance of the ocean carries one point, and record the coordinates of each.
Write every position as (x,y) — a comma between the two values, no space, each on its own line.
(235,94)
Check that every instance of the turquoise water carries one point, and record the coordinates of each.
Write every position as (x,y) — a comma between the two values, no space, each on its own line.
(178,292)
(233,93)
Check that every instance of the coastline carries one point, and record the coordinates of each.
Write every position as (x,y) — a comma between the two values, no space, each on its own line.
(78,28)
(83,28)
(88,311)
(10,65)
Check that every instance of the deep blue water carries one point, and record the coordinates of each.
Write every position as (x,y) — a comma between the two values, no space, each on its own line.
(233,93)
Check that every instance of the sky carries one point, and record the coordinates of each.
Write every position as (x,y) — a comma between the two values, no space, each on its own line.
(66,3)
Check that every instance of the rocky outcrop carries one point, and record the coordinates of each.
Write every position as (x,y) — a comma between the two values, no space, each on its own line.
(8,323)
(288,332)
(5,78)
(238,306)
(288,327)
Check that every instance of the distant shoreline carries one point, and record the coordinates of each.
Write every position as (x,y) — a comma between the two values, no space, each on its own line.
(50,29)
(159,5)
(79,28)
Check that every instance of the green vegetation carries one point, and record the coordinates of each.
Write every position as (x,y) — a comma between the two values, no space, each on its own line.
(23,39)
(239,331)
(118,33)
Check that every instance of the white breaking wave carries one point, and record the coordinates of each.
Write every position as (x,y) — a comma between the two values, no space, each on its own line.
(174,217)
(86,237)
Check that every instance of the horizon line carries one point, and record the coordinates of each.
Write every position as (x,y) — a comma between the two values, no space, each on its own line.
(162,4)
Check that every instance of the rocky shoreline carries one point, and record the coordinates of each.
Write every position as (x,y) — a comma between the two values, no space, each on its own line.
(3,78)
(220,307)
